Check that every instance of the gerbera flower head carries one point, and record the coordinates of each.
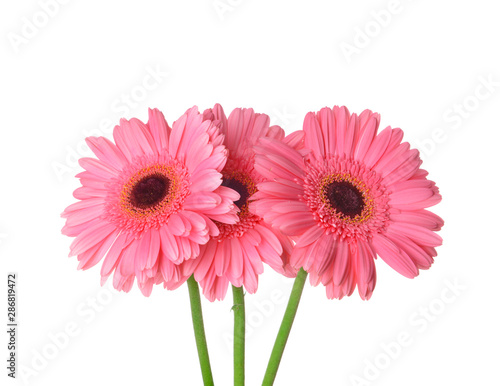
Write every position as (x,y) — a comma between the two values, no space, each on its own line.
(237,253)
(150,199)
(355,195)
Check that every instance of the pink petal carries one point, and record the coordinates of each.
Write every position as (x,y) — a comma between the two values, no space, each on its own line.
(394,256)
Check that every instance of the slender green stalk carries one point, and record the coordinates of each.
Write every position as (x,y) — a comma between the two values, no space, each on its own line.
(239,336)
(199,332)
(286,326)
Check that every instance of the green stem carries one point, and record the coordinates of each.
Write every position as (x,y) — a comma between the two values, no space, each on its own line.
(239,336)
(199,331)
(286,326)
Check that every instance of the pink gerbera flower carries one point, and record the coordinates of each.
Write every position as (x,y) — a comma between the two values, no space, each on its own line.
(148,202)
(356,195)
(236,254)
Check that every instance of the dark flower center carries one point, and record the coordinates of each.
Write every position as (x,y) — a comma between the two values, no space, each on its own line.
(345,198)
(240,187)
(149,191)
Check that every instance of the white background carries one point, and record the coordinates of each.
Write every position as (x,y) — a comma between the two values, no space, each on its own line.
(422,66)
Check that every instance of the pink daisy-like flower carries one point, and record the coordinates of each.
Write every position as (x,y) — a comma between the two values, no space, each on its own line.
(237,253)
(148,202)
(356,195)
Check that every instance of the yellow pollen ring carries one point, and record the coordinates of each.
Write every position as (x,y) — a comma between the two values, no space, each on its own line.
(368,208)
(163,170)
